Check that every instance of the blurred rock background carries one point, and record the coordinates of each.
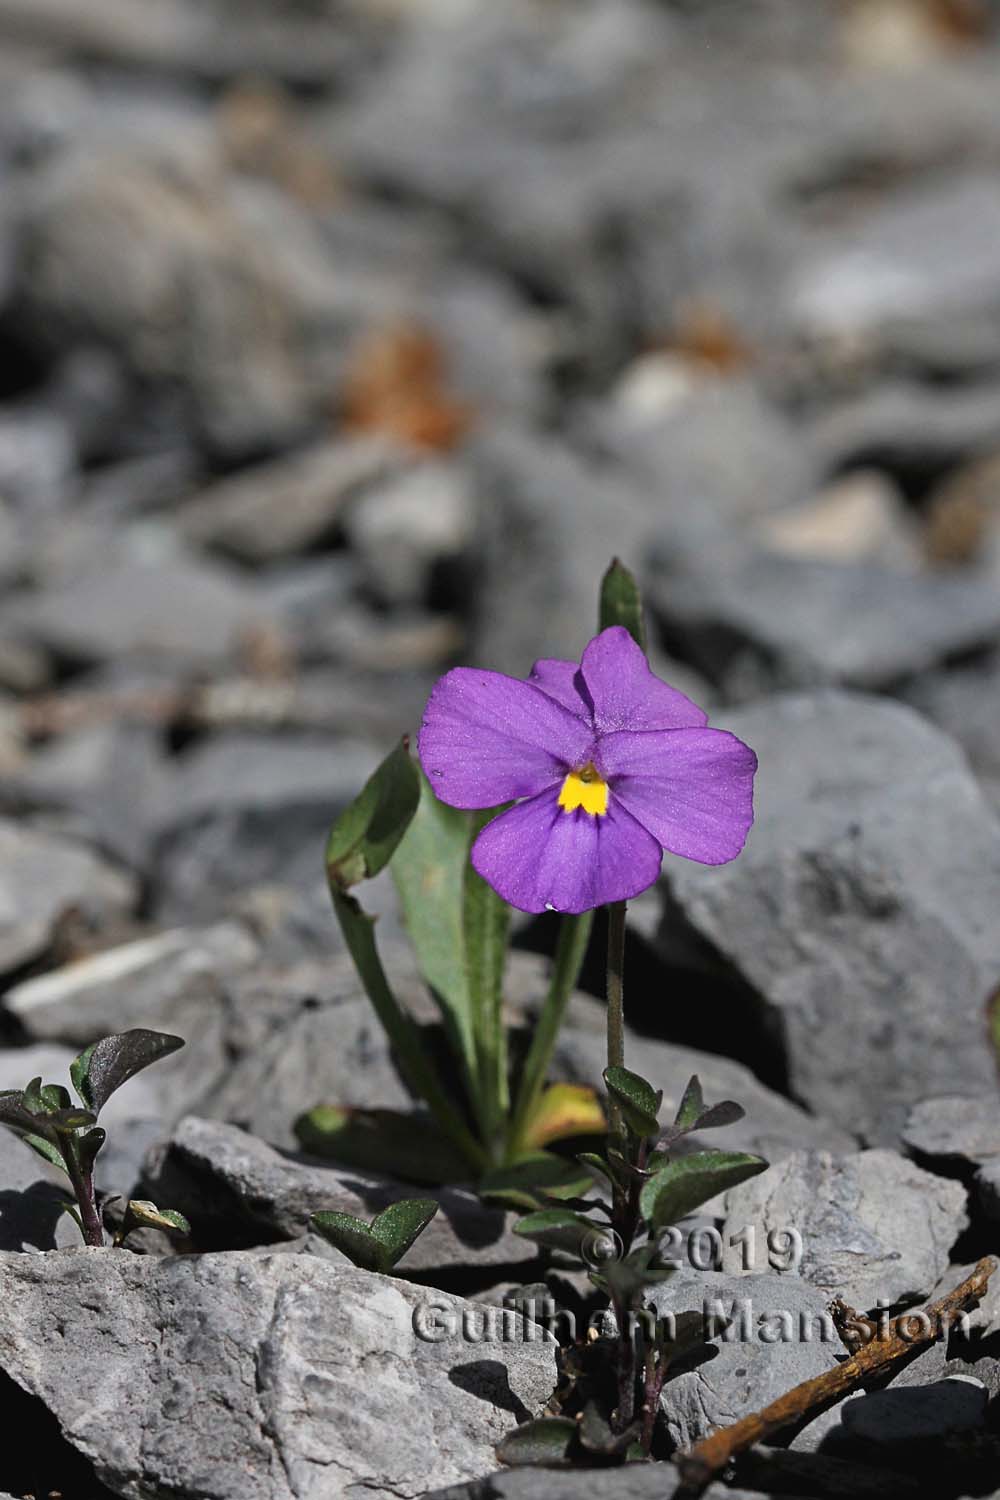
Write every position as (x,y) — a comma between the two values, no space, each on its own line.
(342,340)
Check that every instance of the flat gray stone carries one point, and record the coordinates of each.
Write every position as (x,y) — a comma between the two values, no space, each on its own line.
(780,1334)
(862,912)
(135,984)
(636,1481)
(42,877)
(276,509)
(957,1404)
(135,606)
(264,1378)
(234,1187)
(874,1228)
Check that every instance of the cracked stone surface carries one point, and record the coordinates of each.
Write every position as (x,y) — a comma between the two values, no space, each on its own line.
(960,1135)
(262,1378)
(873,1226)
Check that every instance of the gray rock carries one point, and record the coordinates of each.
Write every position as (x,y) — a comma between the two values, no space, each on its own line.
(106,782)
(410,527)
(310,1368)
(957,1404)
(965,702)
(754,621)
(276,509)
(658,1481)
(780,1334)
(960,1135)
(113,235)
(41,879)
(135,608)
(135,984)
(236,1189)
(867,893)
(252,807)
(551,526)
(956,1130)
(873,1228)
(892,268)
(915,431)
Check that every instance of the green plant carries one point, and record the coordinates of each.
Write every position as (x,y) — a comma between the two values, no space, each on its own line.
(68,1136)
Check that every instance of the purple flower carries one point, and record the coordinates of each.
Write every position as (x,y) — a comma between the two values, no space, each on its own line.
(613,767)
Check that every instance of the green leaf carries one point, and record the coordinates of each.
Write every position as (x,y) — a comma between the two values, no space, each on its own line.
(596,1435)
(78,1070)
(410,1146)
(33,1100)
(485,928)
(397,1226)
(429,870)
(541,1171)
(638,1099)
(558,1229)
(353,1238)
(691,1106)
(140,1212)
(683,1185)
(546,1440)
(104,1067)
(88,1146)
(365,836)
(55,1097)
(46,1149)
(621,603)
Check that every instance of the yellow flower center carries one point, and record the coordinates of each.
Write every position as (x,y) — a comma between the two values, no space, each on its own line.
(584,788)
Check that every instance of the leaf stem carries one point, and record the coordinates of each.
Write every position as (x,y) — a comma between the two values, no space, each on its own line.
(83,1186)
(571,946)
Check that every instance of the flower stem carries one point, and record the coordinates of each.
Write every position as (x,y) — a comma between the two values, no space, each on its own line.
(574,934)
(616,1012)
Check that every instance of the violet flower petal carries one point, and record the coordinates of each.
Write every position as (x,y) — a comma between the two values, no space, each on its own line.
(691,788)
(625,693)
(487,738)
(563,681)
(539,857)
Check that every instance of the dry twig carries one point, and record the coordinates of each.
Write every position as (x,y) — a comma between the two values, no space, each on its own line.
(911,1330)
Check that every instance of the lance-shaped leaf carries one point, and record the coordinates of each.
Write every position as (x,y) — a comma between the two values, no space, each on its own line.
(621,603)
(365,836)
(109,1063)
(683,1185)
(638,1099)
(623,1279)
(524,1182)
(542,1441)
(429,871)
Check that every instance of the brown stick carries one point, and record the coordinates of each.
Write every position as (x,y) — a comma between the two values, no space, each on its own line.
(700,1464)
